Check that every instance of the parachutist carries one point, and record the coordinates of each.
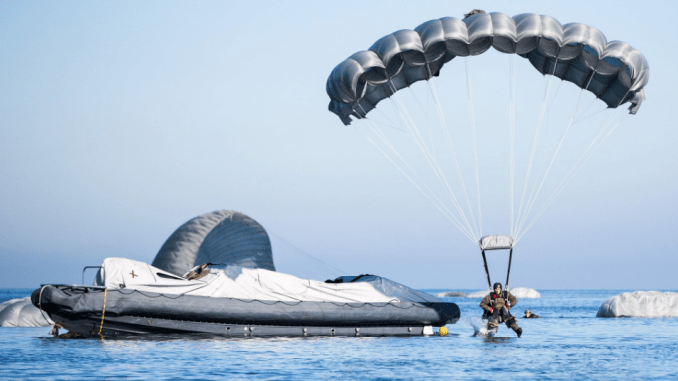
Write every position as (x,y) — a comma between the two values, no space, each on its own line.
(497,305)
(530,315)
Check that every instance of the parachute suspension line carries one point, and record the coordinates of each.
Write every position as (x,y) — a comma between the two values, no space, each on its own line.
(512,133)
(439,204)
(428,123)
(544,105)
(385,116)
(548,110)
(430,158)
(538,176)
(531,201)
(427,155)
(575,168)
(327,267)
(425,111)
(448,137)
(587,109)
(469,86)
(581,119)
(405,117)
(599,111)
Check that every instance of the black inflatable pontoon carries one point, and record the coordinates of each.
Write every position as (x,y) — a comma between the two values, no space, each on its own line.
(133,298)
(80,309)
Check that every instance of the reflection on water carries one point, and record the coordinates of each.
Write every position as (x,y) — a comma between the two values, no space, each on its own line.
(568,342)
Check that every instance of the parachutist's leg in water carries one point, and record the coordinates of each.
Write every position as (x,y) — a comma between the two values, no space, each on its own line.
(510,321)
(494,319)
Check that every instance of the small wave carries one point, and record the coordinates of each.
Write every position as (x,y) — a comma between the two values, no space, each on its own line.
(479,327)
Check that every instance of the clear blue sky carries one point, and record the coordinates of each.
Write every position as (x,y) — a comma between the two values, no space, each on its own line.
(119,121)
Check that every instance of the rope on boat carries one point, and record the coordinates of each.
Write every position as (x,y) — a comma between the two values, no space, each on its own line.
(40,305)
(55,326)
(103,311)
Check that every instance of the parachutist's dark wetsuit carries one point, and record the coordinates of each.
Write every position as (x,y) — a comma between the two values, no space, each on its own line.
(497,307)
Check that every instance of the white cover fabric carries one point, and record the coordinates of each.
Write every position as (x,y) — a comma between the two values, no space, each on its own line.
(496,242)
(518,292)
(22,313)
(647,304)
(250,283)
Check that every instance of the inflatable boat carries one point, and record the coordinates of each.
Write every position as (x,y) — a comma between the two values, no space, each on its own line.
(134,298)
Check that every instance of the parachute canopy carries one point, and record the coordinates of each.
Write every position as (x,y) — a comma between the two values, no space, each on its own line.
(222,237)
(614,71)
(22,313)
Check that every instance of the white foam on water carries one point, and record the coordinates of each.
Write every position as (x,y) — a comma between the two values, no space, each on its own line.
(22,313)
(518,292)
(646,304)
(479,327)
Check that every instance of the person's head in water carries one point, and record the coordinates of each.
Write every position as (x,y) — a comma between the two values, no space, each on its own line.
(528,313)
(497,287)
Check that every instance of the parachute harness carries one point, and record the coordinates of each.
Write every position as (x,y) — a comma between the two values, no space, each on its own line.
(497,243)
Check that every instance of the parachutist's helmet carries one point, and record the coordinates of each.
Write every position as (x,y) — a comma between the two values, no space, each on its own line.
(496,285)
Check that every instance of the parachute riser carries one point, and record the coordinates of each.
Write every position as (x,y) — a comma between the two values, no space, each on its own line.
(487,271)
(508,271)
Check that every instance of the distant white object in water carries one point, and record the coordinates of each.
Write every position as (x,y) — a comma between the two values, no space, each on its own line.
(451,294)
(641,304)
(22,313)
(518,292)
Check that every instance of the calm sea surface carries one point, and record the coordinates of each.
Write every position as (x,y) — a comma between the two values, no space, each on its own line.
(568,342)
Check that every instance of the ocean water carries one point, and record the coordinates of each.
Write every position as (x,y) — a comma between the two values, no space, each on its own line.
(569,342)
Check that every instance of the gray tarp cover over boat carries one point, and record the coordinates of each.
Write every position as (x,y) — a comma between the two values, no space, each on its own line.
(228,281)
(614,71)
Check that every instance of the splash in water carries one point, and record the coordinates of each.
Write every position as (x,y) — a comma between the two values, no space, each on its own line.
(479,327)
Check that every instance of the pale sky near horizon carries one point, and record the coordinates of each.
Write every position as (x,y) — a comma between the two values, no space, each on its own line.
(120,121)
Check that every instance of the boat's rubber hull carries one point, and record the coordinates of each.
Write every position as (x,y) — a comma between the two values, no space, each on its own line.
(80,309)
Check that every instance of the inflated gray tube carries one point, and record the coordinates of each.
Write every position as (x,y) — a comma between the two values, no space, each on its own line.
(22,313)
(236,311)
(224,237)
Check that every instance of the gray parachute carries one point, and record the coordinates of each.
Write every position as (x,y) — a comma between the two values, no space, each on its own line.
(223,237)
(614,71)
(22,313)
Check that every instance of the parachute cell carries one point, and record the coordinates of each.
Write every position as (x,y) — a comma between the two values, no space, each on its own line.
(614,71)
(221,237)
